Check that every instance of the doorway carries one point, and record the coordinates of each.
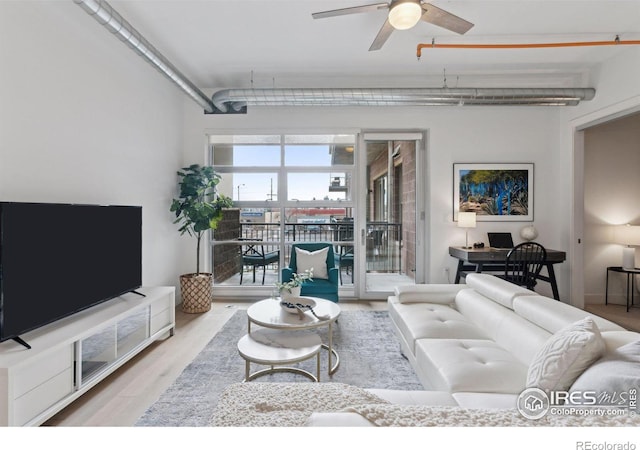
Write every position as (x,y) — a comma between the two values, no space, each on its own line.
(600,141)
(390,169)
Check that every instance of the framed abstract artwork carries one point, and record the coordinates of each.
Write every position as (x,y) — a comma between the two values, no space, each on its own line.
(495,192)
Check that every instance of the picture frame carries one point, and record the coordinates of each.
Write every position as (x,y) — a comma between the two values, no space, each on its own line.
(497,192)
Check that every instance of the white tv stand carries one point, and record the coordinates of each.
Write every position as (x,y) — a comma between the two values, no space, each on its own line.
(70,356)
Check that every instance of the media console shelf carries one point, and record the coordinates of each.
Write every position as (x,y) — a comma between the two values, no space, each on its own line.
(70,356)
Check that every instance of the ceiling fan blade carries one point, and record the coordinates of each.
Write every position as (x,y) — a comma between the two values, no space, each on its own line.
(440,17)
(382,36)
(353,10)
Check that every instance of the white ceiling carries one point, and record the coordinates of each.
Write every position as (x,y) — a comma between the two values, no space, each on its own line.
(276,43)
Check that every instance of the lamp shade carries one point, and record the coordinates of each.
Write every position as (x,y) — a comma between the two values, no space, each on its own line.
(627,235)
(466,219)
(405,14)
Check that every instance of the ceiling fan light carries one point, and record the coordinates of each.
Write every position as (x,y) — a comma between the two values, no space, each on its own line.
(405,15)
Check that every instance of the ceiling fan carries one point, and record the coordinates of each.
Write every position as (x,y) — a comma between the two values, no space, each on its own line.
(403,14)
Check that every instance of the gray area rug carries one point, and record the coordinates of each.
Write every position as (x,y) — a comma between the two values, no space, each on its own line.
(369,358)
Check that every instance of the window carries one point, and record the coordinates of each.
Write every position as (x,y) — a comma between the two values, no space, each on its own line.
(286,188)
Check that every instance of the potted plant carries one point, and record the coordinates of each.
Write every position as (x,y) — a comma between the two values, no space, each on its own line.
(293,287)
(198,209)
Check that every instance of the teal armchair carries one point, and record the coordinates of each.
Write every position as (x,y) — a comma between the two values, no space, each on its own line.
(318,287)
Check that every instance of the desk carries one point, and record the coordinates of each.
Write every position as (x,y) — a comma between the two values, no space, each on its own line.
(493,259)
(630,282)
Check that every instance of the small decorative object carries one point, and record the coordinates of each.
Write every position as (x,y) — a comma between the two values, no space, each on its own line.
(529,233)
(297,305)
(478,245)
(292,287)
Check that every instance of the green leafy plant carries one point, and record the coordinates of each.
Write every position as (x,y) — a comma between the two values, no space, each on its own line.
(198,207)
(295,281)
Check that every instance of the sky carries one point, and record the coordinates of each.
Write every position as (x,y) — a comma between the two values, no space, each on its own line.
(264,186)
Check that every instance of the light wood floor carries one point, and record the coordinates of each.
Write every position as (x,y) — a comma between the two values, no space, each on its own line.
(124,396)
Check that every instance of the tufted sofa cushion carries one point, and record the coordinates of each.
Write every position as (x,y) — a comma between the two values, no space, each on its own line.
(419,321)
(471,365)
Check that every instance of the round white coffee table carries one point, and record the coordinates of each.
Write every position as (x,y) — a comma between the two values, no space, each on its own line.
(279,348)
(269,314)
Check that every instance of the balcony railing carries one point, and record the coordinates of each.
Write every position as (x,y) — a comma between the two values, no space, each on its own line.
(383,239)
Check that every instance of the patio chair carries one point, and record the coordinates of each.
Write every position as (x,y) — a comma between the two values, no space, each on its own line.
(254,255)
(344,260)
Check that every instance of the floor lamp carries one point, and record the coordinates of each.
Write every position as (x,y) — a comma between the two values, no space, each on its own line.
(466,220)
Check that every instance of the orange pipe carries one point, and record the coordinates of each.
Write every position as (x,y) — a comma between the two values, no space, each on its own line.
(547,45)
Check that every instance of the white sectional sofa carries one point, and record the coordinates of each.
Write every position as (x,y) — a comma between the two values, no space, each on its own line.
(472,345)
(481,337)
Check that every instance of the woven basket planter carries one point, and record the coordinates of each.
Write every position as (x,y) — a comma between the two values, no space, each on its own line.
(197,292)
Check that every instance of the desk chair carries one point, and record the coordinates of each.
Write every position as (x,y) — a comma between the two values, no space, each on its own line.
(524,263)
(254,255)
(326,288)
(344,259)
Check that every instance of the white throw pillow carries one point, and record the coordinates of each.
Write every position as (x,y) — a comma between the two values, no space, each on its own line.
(317,261)
(565,356)
(616,372)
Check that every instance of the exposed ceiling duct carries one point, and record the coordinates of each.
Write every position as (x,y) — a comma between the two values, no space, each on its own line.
(117,25)
(236,100)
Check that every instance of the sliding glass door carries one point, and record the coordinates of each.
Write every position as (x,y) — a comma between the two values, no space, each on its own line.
(392,188)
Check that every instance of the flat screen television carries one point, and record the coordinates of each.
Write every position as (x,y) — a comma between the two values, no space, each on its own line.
(59,259)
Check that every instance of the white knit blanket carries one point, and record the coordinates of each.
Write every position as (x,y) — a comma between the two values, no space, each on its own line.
(284,404)
(291,404)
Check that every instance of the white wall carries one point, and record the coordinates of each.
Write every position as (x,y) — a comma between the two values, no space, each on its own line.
(85,120)
(456,134)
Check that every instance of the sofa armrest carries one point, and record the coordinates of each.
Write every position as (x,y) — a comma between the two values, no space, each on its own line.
(428,293)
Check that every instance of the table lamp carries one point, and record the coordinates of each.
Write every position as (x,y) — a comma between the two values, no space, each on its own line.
(629,236)
(466,220)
